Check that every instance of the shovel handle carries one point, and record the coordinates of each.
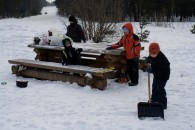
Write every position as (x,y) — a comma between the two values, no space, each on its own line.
(149,88)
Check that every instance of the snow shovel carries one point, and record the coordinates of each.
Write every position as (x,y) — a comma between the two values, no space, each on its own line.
(148,109)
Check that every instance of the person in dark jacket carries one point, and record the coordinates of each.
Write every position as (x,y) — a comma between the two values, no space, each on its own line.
(70,55)
(159,65)
(75,31)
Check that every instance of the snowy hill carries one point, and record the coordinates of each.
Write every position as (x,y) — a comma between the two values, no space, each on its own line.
(51,105)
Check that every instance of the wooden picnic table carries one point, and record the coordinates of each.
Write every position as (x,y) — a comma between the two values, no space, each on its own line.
(101,64)
(89,57)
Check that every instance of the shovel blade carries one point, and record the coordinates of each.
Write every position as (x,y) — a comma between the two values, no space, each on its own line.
(146,109)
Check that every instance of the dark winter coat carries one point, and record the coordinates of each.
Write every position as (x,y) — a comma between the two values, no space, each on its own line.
(160,66)
(75,32)
(71,56)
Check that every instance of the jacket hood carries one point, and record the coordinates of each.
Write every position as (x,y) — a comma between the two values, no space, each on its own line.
(130,27)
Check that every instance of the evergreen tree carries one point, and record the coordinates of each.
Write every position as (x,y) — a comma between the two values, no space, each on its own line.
(20,8)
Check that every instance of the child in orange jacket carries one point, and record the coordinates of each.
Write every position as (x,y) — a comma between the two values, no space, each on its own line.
(132,46)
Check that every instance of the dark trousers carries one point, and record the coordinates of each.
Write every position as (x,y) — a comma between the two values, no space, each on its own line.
(159,92)
(133,70)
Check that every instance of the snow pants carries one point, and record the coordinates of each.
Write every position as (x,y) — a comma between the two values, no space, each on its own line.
(159,92)
(133,70)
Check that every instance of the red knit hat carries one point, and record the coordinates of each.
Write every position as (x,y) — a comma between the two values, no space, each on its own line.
(154,48)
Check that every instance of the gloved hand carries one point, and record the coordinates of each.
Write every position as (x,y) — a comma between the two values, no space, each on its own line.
(109,48)
(136,58)
(79,50)
(147,59)
(149,69)
(63,63)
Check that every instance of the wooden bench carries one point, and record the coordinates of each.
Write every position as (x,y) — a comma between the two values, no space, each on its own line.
(55,71)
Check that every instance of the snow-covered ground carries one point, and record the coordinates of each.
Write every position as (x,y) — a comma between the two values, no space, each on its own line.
(54,105)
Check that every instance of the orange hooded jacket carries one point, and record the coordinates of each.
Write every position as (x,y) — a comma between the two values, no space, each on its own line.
(130,42)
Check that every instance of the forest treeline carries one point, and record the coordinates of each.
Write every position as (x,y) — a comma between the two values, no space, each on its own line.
(21,8)
(118,10)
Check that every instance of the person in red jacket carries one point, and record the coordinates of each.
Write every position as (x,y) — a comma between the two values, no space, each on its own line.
(132,46)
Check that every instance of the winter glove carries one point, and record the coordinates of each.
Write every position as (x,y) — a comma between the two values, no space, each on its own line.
(136,58)
(149,69)
(79,50)
(109,48)
(63,63)
(147,59)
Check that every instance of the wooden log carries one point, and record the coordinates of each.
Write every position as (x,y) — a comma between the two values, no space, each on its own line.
(116,58)
(115,65)
(15,69)
(112,58)
(99,72)
(99,83)
(48,55)
(36,50)
(49,75)
(46,47)
(112,75)
(95,82)
(86,50)
(105,61)
(42,55)
(89,50)
(54,59)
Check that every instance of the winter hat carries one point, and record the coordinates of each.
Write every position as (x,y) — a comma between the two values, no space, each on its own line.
(154,48)
(72,18)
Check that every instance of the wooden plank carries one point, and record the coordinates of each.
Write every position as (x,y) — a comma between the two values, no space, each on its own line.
(118,51)
(98,83)
(46,47)
(99,72)
(90,55)
(87,50)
